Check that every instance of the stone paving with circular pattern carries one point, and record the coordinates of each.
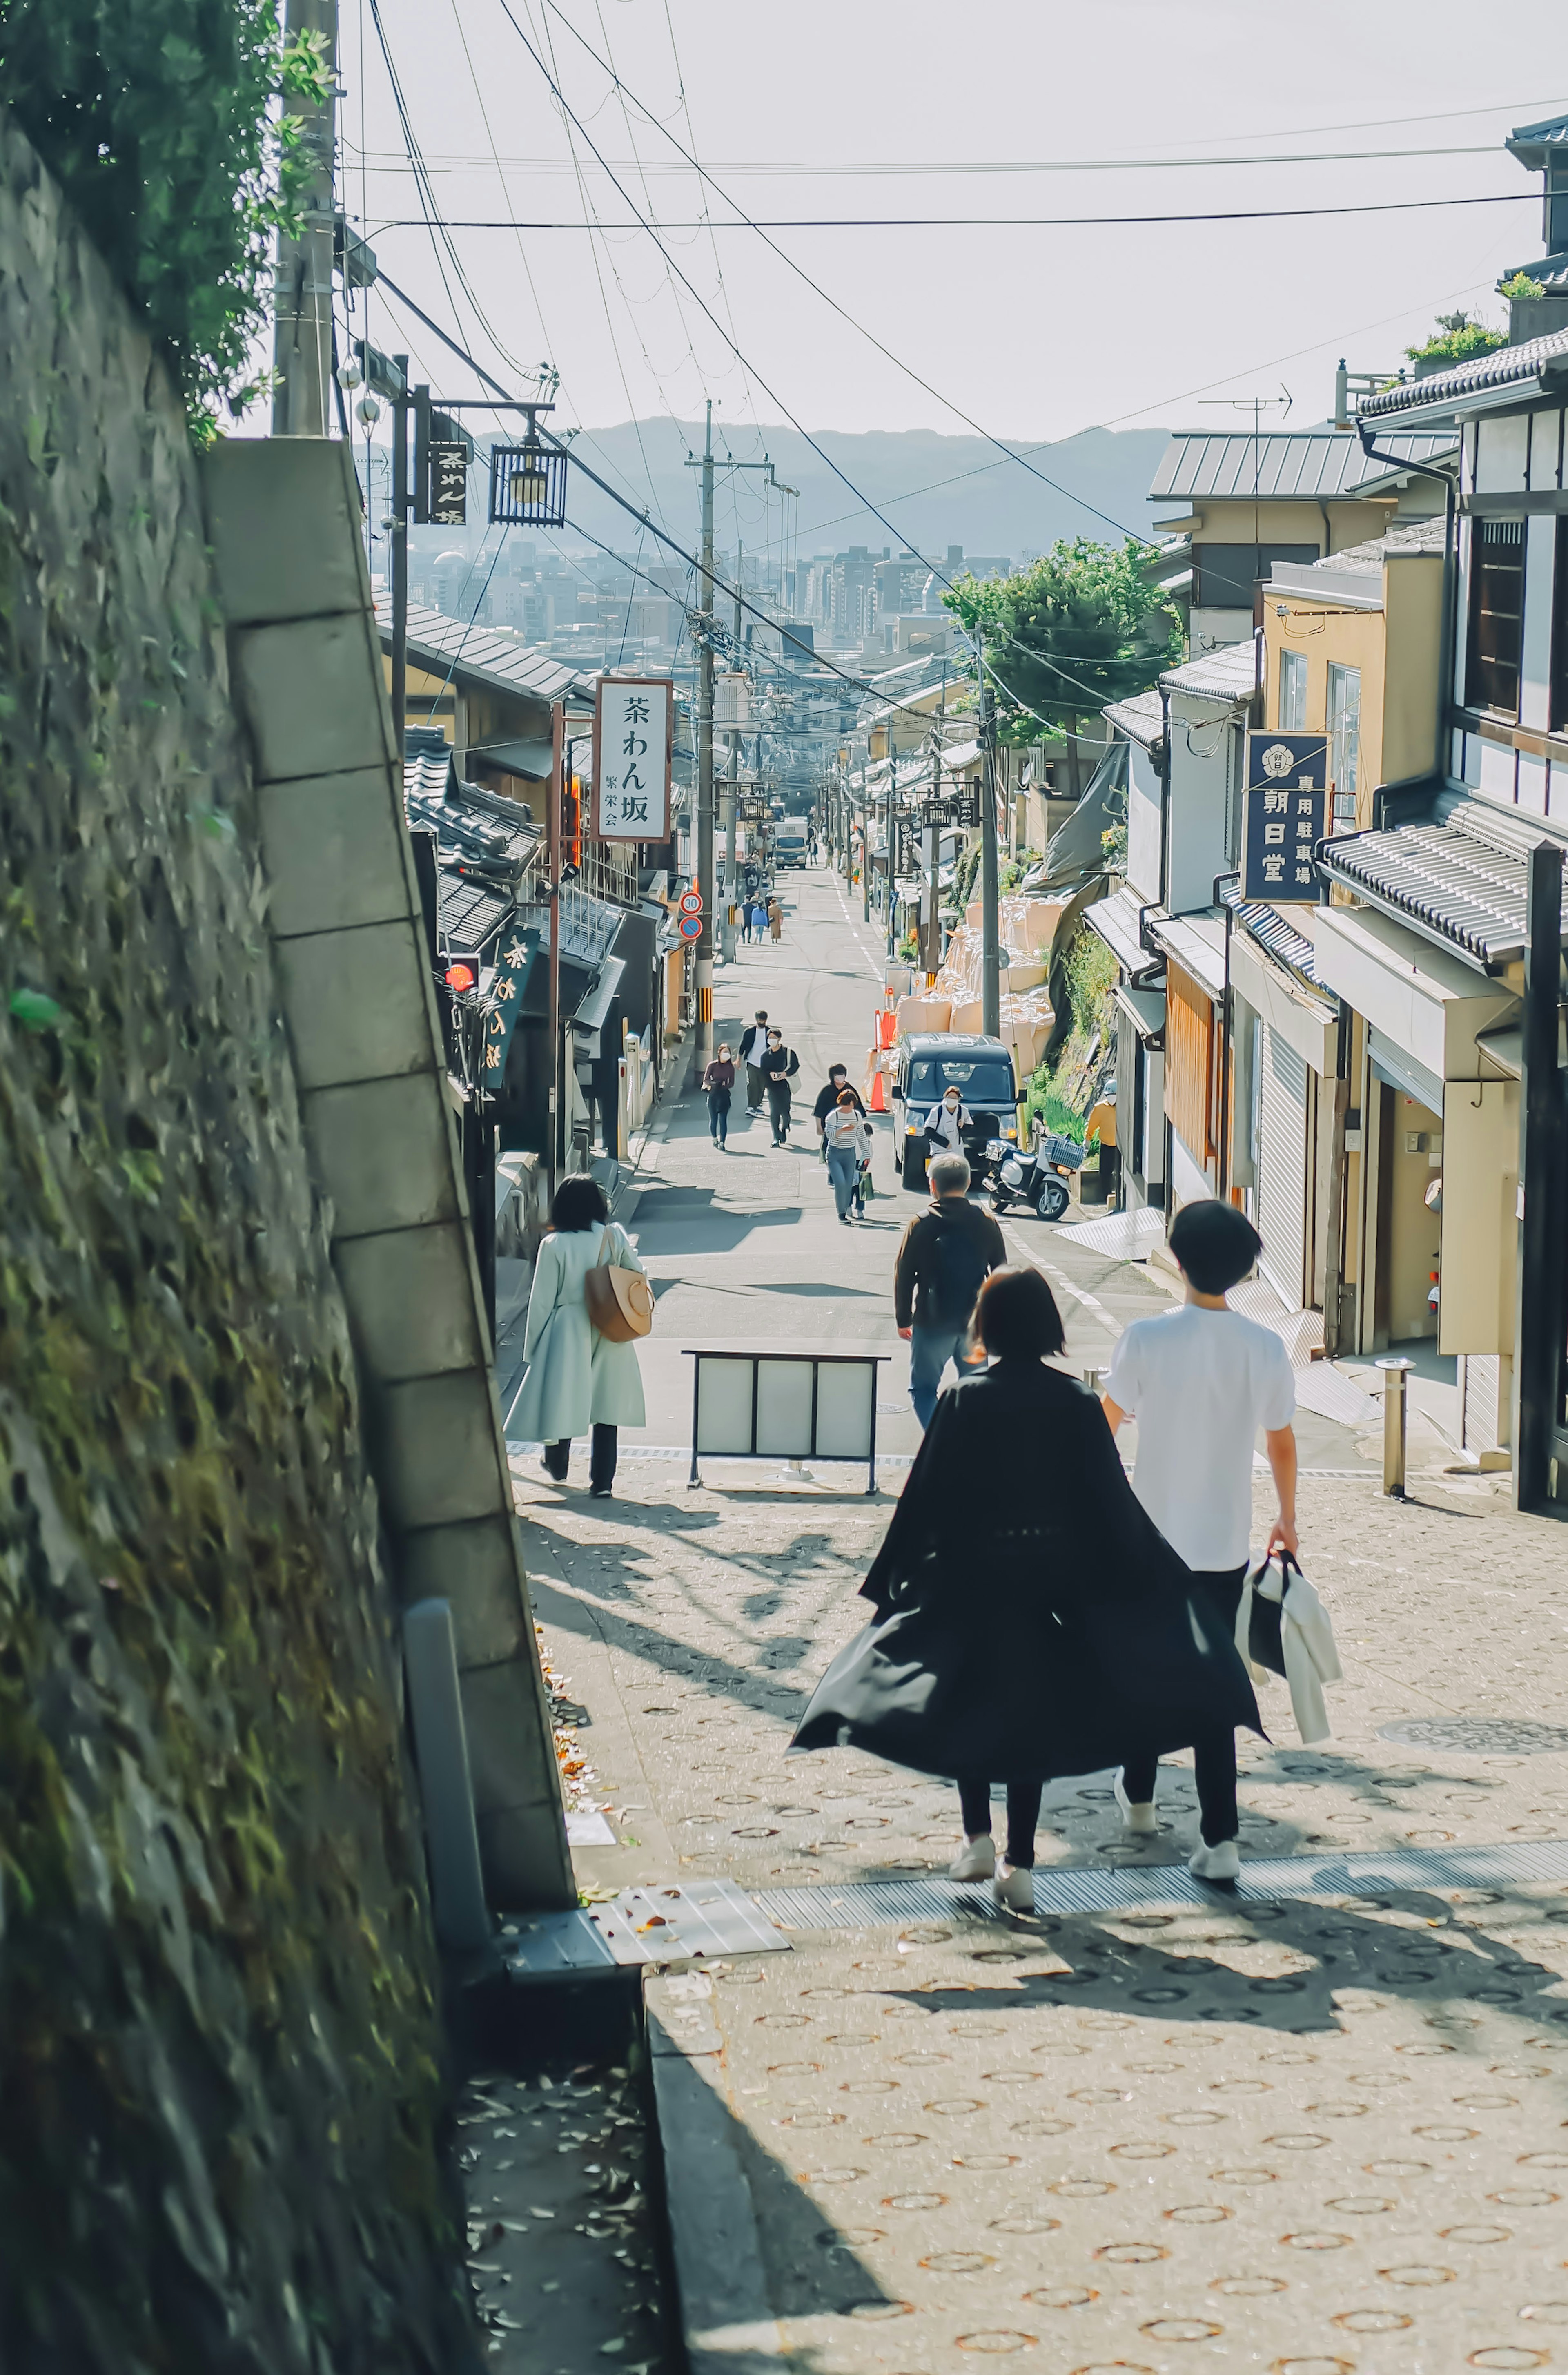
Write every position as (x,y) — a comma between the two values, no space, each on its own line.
(1315,2138)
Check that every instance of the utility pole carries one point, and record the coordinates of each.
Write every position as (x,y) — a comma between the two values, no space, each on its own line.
(867,811)
(732,791)
(302,346)
(892,839)
(705,1033)
(399,532)
(990,919)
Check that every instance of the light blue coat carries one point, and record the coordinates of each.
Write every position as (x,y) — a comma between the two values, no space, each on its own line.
(576,1378)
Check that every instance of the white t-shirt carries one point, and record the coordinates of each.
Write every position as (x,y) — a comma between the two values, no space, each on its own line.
(1200,1384)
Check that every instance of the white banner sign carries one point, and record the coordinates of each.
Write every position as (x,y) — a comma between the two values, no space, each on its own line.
(631,759)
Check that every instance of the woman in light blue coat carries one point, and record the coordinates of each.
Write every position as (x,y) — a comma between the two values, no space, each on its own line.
(576,1377)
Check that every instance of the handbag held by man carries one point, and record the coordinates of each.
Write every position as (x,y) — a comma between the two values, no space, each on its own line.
(620,1302)
(1282,1628)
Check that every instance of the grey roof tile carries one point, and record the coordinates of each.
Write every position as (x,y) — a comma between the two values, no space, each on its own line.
(483,653)
(1502,368)
(1460,880)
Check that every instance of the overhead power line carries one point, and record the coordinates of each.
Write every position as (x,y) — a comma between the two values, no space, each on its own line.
(858,683)
(801,274)
(970,222)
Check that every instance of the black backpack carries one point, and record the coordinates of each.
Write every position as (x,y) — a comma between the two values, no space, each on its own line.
(959,1269)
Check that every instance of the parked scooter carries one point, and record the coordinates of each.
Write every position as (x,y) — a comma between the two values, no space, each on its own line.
(1035,1176)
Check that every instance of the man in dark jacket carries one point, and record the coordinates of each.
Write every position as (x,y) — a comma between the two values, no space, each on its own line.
(779,1064)
(944,1260)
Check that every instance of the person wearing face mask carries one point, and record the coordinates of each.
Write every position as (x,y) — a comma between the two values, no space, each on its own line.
(946,1123)
(779,1064)
(718,1081)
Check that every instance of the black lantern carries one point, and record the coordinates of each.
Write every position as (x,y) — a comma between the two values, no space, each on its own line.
(528,481)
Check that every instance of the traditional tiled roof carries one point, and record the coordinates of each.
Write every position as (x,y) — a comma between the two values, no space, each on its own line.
(1460,882)
(1528,366)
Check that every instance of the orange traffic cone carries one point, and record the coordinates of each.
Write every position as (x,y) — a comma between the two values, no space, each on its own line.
(878,1102)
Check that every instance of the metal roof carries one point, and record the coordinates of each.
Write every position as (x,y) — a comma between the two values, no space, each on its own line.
(1506,367)
(1282,466)
(1270,930)
(488,656)
(1460,882)
(1230,674)
(1533,143)
(1141,719)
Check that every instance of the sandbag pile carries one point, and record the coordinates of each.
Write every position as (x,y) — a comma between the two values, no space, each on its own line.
(1026,929)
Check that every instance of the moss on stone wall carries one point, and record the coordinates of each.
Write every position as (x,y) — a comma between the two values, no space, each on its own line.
(218,2029)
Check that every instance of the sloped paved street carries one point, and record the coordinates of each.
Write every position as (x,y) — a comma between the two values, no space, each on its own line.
(1320,2132)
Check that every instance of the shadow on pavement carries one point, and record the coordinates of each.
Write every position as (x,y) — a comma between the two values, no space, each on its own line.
(1344,1948)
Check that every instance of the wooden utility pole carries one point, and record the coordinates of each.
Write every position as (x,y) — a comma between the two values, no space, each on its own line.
(302,346)
(732,789)
(990,910)
(703,1036)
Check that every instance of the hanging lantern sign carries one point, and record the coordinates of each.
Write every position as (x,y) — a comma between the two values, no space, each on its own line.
(631,759)
(528,481)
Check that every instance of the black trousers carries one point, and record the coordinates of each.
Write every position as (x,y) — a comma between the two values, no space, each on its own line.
(1023,1814)
(778,1109)
(1214,1749)
(604,1442)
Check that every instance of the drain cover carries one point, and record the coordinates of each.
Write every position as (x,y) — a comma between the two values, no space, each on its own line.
(1479,1735)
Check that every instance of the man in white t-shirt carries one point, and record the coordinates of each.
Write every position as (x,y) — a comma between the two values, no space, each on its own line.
(1201,1382)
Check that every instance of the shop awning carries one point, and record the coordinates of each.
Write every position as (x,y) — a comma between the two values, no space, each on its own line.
(1145,1009)
(1458,880)
(1115,920)
(1305,1023)
(1198,944)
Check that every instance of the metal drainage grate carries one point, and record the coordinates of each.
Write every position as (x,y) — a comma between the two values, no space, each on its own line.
(1086,1889)
(1478,1735)
(698,1919)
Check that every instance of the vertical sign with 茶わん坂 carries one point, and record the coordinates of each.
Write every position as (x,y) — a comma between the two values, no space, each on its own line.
(513,965)
(631,759)
(1287,795)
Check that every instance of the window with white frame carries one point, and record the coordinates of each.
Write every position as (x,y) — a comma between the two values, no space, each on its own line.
(1344,741)
(1293,692)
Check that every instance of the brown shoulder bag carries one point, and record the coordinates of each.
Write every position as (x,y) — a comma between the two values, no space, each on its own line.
(620,1302)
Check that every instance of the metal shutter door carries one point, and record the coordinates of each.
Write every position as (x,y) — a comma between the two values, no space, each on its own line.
(1281,1189)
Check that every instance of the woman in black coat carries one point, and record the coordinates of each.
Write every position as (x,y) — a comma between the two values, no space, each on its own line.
(1032,1622)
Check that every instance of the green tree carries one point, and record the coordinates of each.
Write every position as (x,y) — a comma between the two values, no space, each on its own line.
(1082,626)
(162,123)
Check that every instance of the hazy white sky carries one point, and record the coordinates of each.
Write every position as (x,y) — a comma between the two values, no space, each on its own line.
(844,110)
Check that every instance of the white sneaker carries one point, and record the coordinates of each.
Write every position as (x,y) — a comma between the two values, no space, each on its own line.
(1015,1889)
(1221,1861)
(1140,1819)
(976,1861)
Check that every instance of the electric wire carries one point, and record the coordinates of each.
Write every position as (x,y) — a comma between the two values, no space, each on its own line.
(966,222)
(1066,675)
(857,683)
(587,224)
(841,311)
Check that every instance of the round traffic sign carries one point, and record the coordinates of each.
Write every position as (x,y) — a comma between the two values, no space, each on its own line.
(692,927)
(691,902)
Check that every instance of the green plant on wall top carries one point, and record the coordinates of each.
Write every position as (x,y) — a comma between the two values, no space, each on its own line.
(1458,338)
(165,123)
(1521,284)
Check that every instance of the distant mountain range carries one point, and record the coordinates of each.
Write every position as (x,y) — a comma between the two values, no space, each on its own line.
(936,490)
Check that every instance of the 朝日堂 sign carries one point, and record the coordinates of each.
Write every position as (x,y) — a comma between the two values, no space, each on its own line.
(631,759)
(1287,795)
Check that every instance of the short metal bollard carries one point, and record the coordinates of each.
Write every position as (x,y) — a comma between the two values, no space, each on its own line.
(1395,1422)
(1095,1380)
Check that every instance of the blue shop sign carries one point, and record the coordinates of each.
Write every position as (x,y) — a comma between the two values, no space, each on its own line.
(1286,802)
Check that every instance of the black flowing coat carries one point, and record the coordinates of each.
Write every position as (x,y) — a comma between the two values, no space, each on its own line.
(1031,1620)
